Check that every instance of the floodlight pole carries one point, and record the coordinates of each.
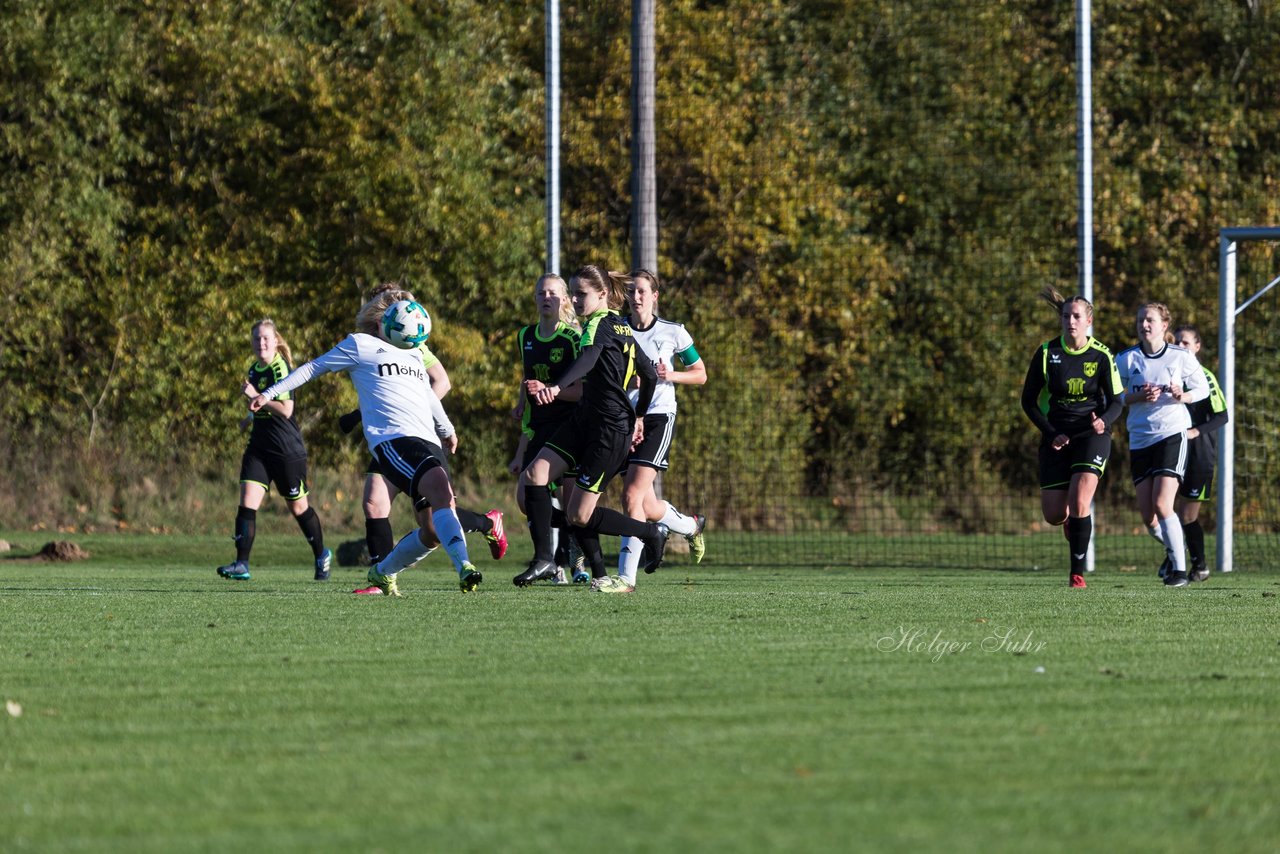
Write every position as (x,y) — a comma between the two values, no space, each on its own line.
(552,48)
(1084,165)
(1084,142)
(644,193)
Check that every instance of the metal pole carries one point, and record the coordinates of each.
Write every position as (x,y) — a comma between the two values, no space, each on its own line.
(1084,142)
(552,263)
(644,193)
(1084,165)
(1227,378)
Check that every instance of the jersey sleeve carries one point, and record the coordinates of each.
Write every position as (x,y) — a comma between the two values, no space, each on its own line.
(685,351)
(1217,405)
(343,357)
(279,370)
(444,427)
(1123,371)
(590,345)
(1194,384)
(429,359)
(648,374)
(1032,387)
(1112,396)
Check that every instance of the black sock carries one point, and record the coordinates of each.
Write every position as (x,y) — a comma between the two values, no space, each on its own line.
(606,520)
(1194,535)
(589,542)
(1079,532)
(474,522)
(246,530)
(537,506)
(378,538)
(309,522)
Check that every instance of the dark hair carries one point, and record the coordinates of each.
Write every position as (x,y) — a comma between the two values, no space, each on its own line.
(610,283)
(1187,327)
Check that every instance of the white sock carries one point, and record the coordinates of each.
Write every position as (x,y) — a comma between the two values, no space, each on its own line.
(1158,535)
(629,559)
(678,522)
(449,529)
(1171,527)
(555,539)
(407,552)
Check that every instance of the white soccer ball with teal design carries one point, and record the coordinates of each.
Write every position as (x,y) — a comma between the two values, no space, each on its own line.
(406,324)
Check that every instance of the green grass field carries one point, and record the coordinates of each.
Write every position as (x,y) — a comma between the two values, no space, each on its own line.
(155,707)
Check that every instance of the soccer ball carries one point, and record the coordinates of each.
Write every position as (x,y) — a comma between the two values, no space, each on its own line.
(406,324)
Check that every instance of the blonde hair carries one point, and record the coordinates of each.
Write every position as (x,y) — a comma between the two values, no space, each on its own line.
(567,315)
(1162,311)
(608,282)
(369,317)
(281,344)
(1058,301)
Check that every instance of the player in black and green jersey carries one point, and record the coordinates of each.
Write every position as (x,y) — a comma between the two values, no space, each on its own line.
(601,431)
(275,454)
(1207,416)
(1072,394)
(547,349)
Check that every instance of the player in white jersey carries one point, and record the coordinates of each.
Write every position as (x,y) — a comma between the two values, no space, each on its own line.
(379,492)
(665,343)
(399,413)
(1159,380)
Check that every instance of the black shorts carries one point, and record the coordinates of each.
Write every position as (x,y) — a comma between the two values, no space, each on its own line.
(375,467)
(405,459)
(1167,457)
(1081,455)
(289,475)
(1197,483)
(542,433)
(597,450)
(654,450)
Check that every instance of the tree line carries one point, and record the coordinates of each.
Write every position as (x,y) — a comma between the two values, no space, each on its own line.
(858,202)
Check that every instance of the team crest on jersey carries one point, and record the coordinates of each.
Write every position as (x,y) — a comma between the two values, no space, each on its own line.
(1090,368)
(557,355)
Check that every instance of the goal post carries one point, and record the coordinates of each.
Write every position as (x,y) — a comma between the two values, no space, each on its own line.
(1228,244)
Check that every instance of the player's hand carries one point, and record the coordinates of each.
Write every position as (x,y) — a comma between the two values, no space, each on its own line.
(257,403)
(514,466)
(637,435)
(249,389)
(1151,392)
(1099,426)
(1060,441)
(1193,433)
(547,394)
(451,443)
(1176,392)
(533,387)
(662,371)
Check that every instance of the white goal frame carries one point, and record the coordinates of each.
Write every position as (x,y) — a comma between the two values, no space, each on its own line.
(1228,244)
